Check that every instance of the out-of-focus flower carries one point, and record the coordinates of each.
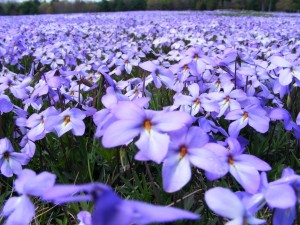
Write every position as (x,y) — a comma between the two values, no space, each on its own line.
(225,203)
(20,210)
(110,209)
(85,218)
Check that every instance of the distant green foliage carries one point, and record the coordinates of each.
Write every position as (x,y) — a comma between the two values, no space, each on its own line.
(64,6)
(29,7)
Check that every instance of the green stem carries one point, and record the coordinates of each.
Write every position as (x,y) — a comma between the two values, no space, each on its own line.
(1,123)
(271,138)
(152,182)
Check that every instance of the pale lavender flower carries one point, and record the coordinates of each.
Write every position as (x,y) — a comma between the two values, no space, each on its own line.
(152,127)
(225,203)
(20,210)
(254,115)
(187,149)
(37,123)
(243,167)
(11,162)
(70,119)
(5,104)
(196,102)
(110,209)
(159,74)
(85,218)
(288,71)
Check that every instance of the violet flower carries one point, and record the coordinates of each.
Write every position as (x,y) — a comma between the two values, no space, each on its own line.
(227,204)
(159,74)
(196,102)
(37,123)
(187,148)
(11,162)
(110,209)
(243,167)
(70,119)
(150,125)
(253,115)
(85,218)
(288,71)
(20,210)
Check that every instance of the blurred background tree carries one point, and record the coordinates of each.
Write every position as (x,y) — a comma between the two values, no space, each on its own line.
(27,7)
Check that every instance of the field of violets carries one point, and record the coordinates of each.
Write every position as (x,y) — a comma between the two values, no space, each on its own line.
(150,118)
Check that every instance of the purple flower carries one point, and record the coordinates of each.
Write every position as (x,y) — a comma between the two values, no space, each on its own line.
(289,124)
(37,123)
(104,117)
(244,168)
(11,162)
(152,127)
(279,195)
(184,69)
(228,100)
(159,74)
(18,89)
(288,71)
(20,210)
(196,102)
(287,198)
(253,115)
(62,193)
(227,204)
(70,119)
(30,183)
(110,209)
(85,218)
(5,104)
(187,148)
(126,62)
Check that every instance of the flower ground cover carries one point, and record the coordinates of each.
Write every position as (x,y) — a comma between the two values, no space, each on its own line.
(149,117)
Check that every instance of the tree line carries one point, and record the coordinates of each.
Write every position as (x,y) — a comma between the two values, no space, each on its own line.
(56,6)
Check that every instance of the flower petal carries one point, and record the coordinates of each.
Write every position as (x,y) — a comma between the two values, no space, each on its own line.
(224,203)
(153,145)
(176,172)
(120,133)
(280,196)
(148,214)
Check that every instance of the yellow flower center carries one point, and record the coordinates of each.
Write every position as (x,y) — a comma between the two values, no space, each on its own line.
(245,116)
(147,124)
(67,120)
(197,102)
(183,151)
(230,160)
(227,99)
